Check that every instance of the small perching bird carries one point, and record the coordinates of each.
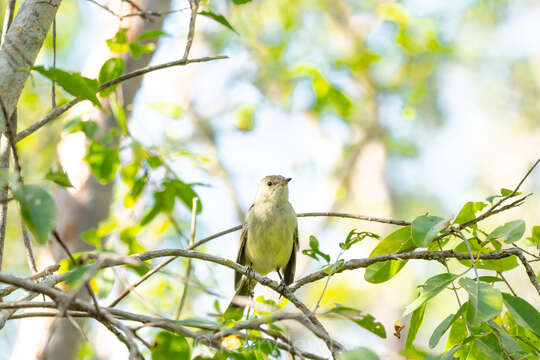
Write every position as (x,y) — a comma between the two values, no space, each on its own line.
(269,239)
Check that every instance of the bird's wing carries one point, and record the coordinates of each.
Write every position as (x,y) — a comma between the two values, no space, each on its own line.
(291,265)
(241,258)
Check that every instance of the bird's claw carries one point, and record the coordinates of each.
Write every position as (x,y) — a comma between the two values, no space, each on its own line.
(250,272)
(282,288)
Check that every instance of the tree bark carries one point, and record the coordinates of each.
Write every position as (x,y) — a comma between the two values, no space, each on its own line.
(19,50)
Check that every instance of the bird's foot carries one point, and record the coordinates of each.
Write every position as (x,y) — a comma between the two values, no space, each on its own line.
(282,288)
(250,272)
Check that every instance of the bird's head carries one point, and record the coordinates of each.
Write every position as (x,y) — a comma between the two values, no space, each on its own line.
(273,188)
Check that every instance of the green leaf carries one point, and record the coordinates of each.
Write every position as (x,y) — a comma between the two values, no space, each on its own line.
(91,237)
(90,127)
(38,210)
(111,69)
(314,251)
(152,34)
(535,235)
(73,83)
(163,202)
(424,229)
(170,346)
(489,348)
(383,271)
(500,265)
(511,231)
(240,2)
(354,237)
(508,342)
(185,193)
(103,162)
(449,355)
(74,276)
(524,313)
(433,286)
(485,301)
(441,329)
(154,161)
(59,177)
(219,18)
(118,43)
(129,172)
(171,110)
(358,353)
(506,192)
(458,333)
(244,118)
(136,190)
(468,212)
(137,48)
(119,114)
(490,279)
(416,322)
(367,321)
(128,237)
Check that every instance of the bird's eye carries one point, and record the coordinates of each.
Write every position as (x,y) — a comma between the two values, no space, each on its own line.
(269,183)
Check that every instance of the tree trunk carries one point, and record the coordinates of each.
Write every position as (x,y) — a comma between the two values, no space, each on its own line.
(19,50)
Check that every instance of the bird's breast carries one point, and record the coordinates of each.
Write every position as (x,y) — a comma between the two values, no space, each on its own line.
(270,237)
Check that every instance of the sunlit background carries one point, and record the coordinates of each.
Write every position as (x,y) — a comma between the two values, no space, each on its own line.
(382,108)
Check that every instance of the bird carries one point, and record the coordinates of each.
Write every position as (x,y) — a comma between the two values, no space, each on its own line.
(269,240)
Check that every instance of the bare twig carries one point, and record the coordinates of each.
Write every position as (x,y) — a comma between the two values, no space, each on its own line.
(473,263)
(8,19)
(191,241)
(194,5)
(28,246)
(332,269)
(355,216)
(506,282)
(106,8)
(53,87)
(445,264)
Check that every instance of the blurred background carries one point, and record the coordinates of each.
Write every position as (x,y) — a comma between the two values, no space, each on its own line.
(384,108)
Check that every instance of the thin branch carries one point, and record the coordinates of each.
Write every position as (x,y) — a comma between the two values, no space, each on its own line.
(8,19)
(53,84)
(47,271)
(107,9)
(309,214)
(334,266)
(28,247)
(518,185)
(315,326)
(355,216)
(506,282)
(194,5)
(53,114)
(528,269)
(191,241)
(460,234)
(419,255)
(445,264)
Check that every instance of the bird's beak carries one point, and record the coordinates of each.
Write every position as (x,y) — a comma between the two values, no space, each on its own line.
(284,182)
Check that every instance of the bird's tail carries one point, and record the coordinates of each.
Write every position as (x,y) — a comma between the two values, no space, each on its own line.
(235,310)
